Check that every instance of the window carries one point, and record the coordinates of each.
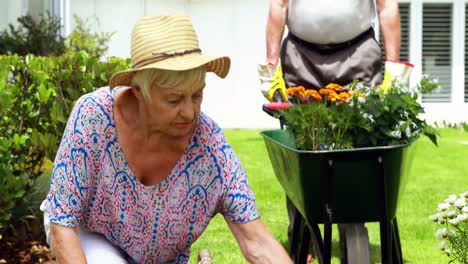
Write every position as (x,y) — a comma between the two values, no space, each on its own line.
(437,49)
(404,24)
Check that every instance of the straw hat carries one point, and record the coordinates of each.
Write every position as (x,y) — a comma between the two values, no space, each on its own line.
(167,42)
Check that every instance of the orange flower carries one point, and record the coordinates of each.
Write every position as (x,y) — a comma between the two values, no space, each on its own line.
(303,94)
(344,96)
(334,86)
(292,91)
(311,93)
(325,91)
(333,98)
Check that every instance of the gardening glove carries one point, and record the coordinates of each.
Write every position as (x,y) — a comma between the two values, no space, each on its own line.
(396,70)
(272,82)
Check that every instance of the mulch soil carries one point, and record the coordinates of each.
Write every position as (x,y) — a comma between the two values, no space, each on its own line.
(26,245)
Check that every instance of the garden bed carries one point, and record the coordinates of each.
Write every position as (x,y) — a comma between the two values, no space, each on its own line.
(26,246)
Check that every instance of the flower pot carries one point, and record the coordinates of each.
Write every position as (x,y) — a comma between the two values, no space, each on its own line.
(355,189)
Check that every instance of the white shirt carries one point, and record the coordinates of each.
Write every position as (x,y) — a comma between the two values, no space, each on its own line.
(330,21)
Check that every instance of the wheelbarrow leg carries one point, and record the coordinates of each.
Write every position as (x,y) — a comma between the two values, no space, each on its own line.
(328,214)
(385,242)
(300,241)
(398,256)
(305,245)
(317,243)
(385,224)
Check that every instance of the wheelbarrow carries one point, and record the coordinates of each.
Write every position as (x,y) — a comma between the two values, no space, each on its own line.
(340,186)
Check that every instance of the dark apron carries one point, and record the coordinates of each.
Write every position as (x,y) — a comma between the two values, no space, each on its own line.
(314,66)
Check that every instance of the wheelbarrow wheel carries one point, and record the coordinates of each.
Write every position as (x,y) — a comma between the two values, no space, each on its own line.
(354,244)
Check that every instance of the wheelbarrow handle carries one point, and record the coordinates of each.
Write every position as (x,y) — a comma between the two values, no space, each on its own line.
(273,109)
(278,104)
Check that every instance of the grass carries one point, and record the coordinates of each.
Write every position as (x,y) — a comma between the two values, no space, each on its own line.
(436,172)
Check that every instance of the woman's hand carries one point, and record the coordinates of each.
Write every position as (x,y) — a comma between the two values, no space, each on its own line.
(257,244)
(66,245)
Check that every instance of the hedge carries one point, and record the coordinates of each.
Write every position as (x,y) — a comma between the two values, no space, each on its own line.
(36,97)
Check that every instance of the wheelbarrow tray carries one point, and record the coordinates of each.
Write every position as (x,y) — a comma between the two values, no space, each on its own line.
(356,175)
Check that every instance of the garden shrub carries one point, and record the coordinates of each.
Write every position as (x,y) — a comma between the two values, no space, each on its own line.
(42,38)
(83,38)
(36,97)
(33,37)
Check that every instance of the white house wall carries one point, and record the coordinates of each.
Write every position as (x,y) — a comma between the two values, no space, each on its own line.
(10,10)
(237,29)
(233,28)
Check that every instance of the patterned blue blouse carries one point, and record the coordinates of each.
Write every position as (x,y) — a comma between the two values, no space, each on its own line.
(93,187)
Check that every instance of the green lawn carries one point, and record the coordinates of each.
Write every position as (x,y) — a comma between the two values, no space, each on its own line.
(436,173)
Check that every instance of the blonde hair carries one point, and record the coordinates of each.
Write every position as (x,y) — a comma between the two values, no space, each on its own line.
(166,79)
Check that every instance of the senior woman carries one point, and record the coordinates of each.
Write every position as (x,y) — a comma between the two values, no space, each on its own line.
(141,171)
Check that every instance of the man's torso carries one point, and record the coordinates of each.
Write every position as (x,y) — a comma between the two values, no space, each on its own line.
(329,21)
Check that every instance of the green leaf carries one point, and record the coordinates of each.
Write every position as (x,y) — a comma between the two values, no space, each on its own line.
(432,135)
(103,77)
(20,194)
(43,93)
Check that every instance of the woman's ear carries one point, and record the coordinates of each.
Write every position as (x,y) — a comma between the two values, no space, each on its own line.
(136,90)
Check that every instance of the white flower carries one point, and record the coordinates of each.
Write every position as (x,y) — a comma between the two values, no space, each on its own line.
(405,114)
(443,206)
(441,233)
(361,100)
(369,116)
(464,209)
(451,214)
(435,217)
(408,132)
(462,217)
(396,134)
(459,203)
(444,233)
(448,251)
(441,221)
(444,215)
(442,244)
(451,199)
(466,194)
(454,221)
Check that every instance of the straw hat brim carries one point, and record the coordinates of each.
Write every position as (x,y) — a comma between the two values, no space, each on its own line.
(217,64)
